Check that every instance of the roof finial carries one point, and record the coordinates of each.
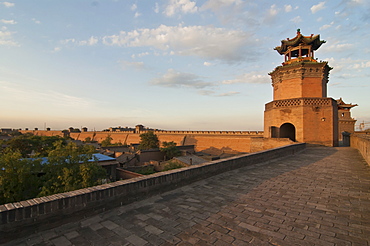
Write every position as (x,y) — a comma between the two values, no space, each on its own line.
(298,31)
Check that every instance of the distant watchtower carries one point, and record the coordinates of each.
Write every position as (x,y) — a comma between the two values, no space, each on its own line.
(345,122)
(300,109)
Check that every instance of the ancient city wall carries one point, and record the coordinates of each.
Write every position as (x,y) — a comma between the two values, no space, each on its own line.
(362,143)
(44,133)
(232,141)
(35,214)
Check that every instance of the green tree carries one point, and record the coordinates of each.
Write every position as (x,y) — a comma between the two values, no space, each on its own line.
(172,165)
(148,140)
(18,177)
(107,141)
(28,144)
(69,168)
(170,150)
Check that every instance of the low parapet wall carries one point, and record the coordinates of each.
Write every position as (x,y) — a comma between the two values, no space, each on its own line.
(362,143)
(26,217)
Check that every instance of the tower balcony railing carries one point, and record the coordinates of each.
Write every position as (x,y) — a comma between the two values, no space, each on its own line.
(310,101)
(299,59)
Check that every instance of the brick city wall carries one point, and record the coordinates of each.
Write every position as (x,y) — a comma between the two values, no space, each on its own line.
(362,143)
(239,141)
(46,212)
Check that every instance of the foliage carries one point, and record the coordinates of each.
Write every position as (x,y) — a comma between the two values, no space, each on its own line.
(70,168)
(67,168)
(173,165)
(15,133)
(18,177)
(146,171)
(170,150)
(28,144)
(148,141)
(107,141)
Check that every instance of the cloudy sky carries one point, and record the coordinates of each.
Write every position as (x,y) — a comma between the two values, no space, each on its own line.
(168,64)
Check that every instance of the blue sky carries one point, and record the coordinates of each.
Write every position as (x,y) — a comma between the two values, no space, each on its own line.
(171,64)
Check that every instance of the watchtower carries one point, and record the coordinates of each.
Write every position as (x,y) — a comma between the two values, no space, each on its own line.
(345,122)
(300,109)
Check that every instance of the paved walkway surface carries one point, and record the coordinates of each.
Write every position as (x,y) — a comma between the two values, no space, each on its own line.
(320,196)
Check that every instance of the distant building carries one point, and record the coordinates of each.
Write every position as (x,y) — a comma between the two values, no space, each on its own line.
(345,122)
(108,163)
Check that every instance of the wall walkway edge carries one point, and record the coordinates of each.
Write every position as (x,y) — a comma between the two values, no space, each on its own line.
(51,211)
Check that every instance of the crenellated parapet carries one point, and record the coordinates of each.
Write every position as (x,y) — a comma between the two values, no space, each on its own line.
(211,132)
(301,70)
(300,102)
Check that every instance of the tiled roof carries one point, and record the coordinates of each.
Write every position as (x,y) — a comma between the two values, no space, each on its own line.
(313,40)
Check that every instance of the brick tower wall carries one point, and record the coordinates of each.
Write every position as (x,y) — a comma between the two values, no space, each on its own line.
(315,119)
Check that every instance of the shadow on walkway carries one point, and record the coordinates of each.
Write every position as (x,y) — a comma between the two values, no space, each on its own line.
(320,196)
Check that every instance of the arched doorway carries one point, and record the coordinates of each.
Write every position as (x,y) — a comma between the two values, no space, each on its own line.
(287,130)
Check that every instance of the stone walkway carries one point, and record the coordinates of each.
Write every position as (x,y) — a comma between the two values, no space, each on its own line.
(320,196)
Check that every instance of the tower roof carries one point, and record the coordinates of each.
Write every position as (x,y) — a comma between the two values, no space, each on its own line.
(313,40)
(342,105)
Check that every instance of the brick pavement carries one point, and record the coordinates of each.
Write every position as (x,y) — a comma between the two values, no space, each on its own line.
(320,196)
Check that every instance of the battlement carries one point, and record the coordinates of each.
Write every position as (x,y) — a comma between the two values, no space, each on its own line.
(300,102)
(246,133)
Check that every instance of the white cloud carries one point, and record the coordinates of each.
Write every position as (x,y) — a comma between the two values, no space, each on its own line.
(317,7)
(7,4)
(273,10)
(206,92)
(253,77)
(91,41)
(128,64)
(133,7)
(319,19)
(6,39)
(207,64)
(9,22)
(67,41)
(57,49)
(271,14)
(156,9)
(137,14)
(356,2)
(216,5)
(174,78)
(361,65)
(326,26)
(228,94)
(288,8)
(203,41)
(296,19)
(337,47)
(213,93)
(183,6)
(347,67)
(36,21)
(140,55)
(56,99)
